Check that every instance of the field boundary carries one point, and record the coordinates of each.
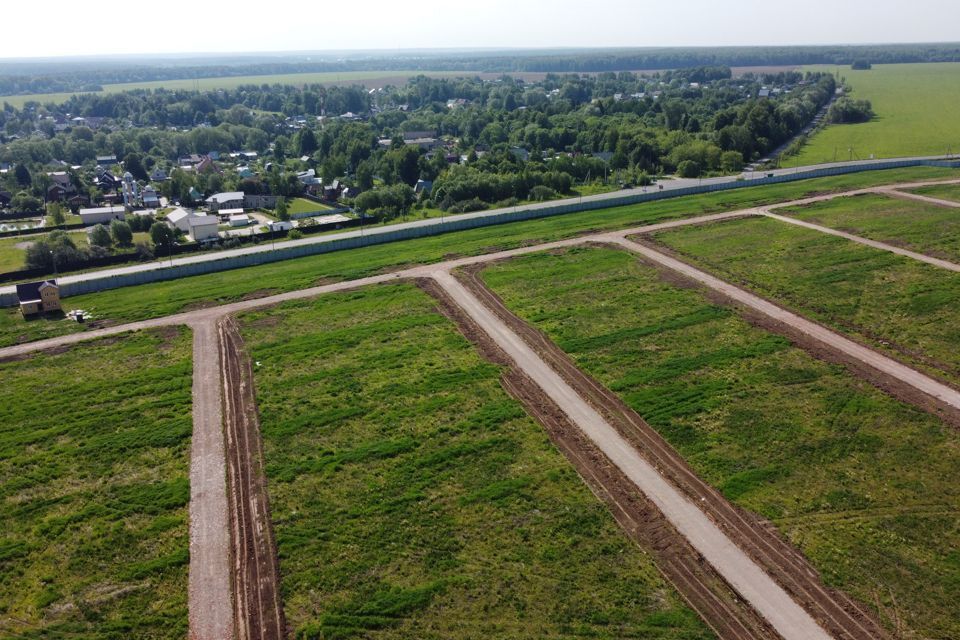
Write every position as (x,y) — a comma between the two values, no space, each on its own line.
(156,272)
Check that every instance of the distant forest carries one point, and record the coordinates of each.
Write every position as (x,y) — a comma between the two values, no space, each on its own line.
(29,77)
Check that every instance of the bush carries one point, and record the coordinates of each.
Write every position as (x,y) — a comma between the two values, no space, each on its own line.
(688,169)
(731,161)
(861,65)
(295,234)
(475,204)
(99,236)
(847,111)
(144,252)
(542,192)
(121,233)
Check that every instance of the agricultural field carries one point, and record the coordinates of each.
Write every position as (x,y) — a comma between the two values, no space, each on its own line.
(366,78)
(924,228)
(944,192)
(94,454)
(164,298)
(413,497)
(861,483)
(915,107)
(896,304)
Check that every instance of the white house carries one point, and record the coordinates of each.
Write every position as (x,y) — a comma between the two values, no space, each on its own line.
(198,227)
(228,200)
(240,220)
(101,215)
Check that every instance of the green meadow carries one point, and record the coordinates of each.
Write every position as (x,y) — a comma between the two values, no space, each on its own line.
(944,192)
(893,303)
(916,114)
(413,498)
(94,484)
(924,228)
(863,484)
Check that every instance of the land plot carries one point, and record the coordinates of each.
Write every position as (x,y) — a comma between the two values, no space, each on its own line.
(164,298)
(924,228)
(412,497)
(898,305)
(861,483)
(94,453)
(943,192)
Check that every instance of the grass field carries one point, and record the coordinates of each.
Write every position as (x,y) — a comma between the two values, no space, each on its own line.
(944,192)
(13,258)
(94,453)
(898,305)
(921,227)
(413,498)
(371,78)
(863,484)
(163,298)
(916,115)
(302,205)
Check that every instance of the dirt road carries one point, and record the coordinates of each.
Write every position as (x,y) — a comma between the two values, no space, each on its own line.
(874,359)
(896,193)
(937,262)
(841,616)
(210,604)
(790,620)
(258,609)
(696,580)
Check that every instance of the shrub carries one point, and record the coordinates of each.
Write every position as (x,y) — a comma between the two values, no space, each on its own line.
(542,192)
(688,169)
(295,234)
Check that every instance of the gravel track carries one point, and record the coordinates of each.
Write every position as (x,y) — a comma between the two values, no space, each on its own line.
(209,594)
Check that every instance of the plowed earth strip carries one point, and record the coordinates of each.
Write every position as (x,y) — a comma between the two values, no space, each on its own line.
(258,610)
(770,601)
(840,615)
(697,582)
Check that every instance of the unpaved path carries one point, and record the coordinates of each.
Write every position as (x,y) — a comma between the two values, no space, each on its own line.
(883,246)
(874,359)
(905,195)
(210,604)
(790,620)
(840,615)
(258,609)
(696,581)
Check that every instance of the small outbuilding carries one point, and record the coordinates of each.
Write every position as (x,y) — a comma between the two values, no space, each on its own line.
(38,297)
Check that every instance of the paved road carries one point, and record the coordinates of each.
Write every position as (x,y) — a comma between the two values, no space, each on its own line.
(746,577)
(210,604)
(668,185)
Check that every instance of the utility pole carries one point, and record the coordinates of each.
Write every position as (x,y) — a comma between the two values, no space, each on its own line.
(53,257)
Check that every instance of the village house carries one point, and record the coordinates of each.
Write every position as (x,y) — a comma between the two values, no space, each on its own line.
(197,226)
(227,200)
(101,215)
(38,297)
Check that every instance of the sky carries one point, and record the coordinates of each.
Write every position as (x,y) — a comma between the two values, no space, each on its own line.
(191,26)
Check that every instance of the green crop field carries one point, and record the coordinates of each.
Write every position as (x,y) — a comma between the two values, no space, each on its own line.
(916,114)
(94,454)
(944,192)
(925,228)
(863,484)
(412,497)
(366,78)
(899,305)
(163,298)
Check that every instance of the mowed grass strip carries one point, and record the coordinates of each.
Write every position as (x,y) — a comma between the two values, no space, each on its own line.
(925,228)
(898,305)
(916,115)
(863,484)
(413,498)
(164,298)
(94,455)
(949,192)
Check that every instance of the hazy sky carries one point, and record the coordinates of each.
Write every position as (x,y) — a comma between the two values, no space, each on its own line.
(59,27)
